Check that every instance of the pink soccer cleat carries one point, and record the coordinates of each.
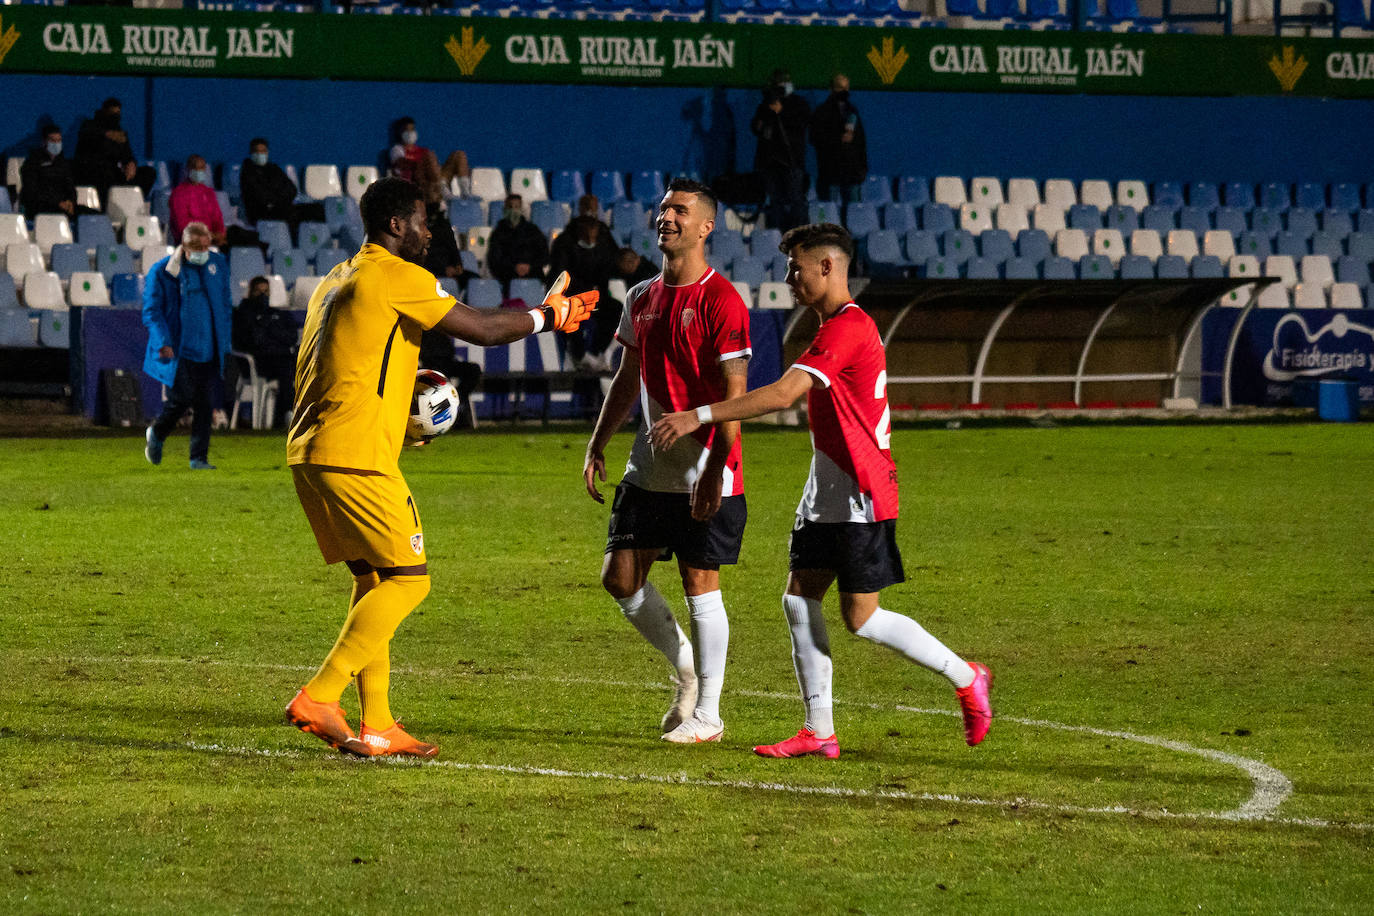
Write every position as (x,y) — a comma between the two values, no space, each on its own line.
(803,744)
(976,702)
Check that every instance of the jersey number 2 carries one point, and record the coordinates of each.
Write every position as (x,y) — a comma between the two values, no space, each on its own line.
(883,432)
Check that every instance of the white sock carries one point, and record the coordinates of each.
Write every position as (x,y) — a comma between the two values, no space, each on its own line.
(711,637)
(904,635)
(651,616)
(811,659)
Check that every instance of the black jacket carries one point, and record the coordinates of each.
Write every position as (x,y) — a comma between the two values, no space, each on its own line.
(838,162)
(782,135)
(266,191)
(47,182)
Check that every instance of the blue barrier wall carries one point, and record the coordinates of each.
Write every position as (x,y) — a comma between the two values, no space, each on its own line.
(706,131)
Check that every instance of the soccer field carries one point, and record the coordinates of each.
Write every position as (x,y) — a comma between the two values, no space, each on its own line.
(1179,618)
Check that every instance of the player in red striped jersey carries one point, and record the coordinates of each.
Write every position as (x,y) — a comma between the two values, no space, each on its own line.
(845,531)
(686,338)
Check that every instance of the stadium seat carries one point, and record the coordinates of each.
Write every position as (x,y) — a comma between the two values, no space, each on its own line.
(1167,194)
(1182,242)
(1301,220)
(1327,243)
(1195,219)
(975,218)
(1239,194)
(1011,218)
(921,245)
(940,269)
(567,186)
(1159,218)
(752,271)
(936,218)
(725,246)
(326,259)
(883,250)
(450,286)
(549,215)
(1243,265)
(1071,244)
(340,212)
(1095,193)
(1019,268)
(608,186)
(764,242)
(150,255)
(957,245)
(949,190)
(1309,296)
(488,184)
(985,192)
(1345,196)
(245,263)
(861,219)
(1266,221)
(87,288)
(124,201)
(996,245)
(54,328)
(1346,296)
(322,181)
(914,190)
(483,293)
(13,230)
(1146,243)
(1060,193)
(1291,244)
(528,289)
(304,288)
(823,211)
(1205,267)
(357,178)
(529,184)
(1274,195)
(142,230)
(7,206)
(43,290)
(94,230)
(1281,266)
(1086,217)
(1108,242)
(497,209)
(278,297)
(478,238)
(22,259)
(1023,192)
(466,212)
(1057,268)
(1033,244)
(1361,245)
(876,189)
(1274,296)
(65,260)
(774,295)
(1352,270)
(126,291)
(1095,267)
(1132,194)
(9,296)
(1204,195)
(1316,268)
(289,264)
(1336,221)
(1311,195)
(745,293)
(275,234)
(1171,267)
(645,243)
(1048,218)
(1231,219)
(1136,267)
(897,217)
(1254,243)
(982,269)
(1123,219)
(1219,243)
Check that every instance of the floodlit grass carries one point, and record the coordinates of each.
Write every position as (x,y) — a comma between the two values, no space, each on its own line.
(1208,586)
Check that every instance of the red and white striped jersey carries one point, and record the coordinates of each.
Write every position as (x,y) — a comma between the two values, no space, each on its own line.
(683,334)
(853,477)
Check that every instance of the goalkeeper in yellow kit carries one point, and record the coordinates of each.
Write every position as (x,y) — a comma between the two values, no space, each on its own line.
(354,379)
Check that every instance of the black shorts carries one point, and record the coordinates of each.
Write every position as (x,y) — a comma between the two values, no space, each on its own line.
(644,519)
(863,555)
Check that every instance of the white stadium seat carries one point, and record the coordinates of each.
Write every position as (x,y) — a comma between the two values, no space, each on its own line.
(488,184)
(51,229)
(358,178)
(124,201)
(775,295)
(985,192)
(1133,194)
(1023,192)
(1059,192)
(88,288)
(322,181)
(1095,193)
(949,190)
(529,184)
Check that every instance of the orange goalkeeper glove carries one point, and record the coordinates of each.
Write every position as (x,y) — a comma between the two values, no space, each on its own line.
(564,313)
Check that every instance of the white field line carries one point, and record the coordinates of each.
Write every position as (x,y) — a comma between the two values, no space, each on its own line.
(1269,786)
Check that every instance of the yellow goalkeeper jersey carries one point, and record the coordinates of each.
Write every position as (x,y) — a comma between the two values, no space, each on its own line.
(356,369)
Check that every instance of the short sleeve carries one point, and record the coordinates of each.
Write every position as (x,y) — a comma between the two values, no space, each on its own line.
(828,354)
(731,330)
(625,331)
(416,293)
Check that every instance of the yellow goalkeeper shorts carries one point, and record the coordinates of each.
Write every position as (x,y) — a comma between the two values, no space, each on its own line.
(361,515)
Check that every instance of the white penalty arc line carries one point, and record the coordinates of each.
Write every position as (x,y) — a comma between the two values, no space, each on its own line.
(1269,786)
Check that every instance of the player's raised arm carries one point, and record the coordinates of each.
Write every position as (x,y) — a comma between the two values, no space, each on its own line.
(777,396)
(489,327)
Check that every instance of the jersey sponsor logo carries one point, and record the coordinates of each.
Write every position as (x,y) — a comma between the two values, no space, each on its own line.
(817,351)
(736,335)
(687,316)
(417,543)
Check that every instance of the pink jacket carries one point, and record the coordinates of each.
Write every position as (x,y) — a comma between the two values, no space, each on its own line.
(194,203)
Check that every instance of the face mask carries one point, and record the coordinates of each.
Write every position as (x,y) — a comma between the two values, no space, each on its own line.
(587,245)
(198,258)
(200,176)
(410,138)
(842,95)
(787,88)
(513,216)
(258,158)
(260,300)
(54,147)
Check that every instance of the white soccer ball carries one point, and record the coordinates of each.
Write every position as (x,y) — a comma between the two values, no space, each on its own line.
(433,407)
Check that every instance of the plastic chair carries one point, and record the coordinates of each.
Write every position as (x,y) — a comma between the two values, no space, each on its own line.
(1109,243)
(124,201)
(949,190)
(1048,218)
(1311,195)
(996,246)
(312,236)
(940,269)
(1239,194)
(1095,193)
(1183,243)
(1021,269)
(87,288)
(1096,267)
(1345,196)
(276,235)
(322,181)
(260,395)
(1168,194)
(1071,244)
(936,218)
(567,186)
(1011,218)
(143,230)
(914,190)
(921,246)
(1205,267)
(646,186)
(303,289)
(1086,217)
(1132,193)
(1281,266)
(65,260)
(1147,244)
(1136,267)
(975,218)
(1204,194)
(956,245)
(529,184)
(986,192)
(1123,219)
(1309,296)
(1346,296)
(22,259)
(1327,243)
(1195,219)
(774,295)
(1291,244)
(488,183)
(326,259)
(982,269)
(1219,243)
(1057,268)
(1023,192)
(1316,268)
(1060,193)
(861,219)
(1033,244)
(1171,267)
(751,271)
(94,230)
(1275,195)
(608,186)
(357,178)
(484,293)
(43,290)
(1231,219)
(726,246)
(876,189)
(290,263)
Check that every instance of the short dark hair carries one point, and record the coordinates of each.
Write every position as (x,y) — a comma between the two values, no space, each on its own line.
(818,235)
(111,102)
(692,186)
(258,279)
(50,129)
(256,140)
(386,198)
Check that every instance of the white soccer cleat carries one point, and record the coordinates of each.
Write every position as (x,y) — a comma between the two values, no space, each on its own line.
(684,702)
(695,731)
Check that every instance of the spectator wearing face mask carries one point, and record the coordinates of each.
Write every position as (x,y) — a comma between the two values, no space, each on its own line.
(194,201)
(187,310)
(104,156)
(780,124)
(413,162)
(586,250)
(46,184)
(269,336)
(837,132)
(516,248)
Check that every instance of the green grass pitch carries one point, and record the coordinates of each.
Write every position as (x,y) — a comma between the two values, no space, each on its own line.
(1179,618)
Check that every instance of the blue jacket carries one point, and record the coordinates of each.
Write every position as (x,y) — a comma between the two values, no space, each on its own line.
(162,312)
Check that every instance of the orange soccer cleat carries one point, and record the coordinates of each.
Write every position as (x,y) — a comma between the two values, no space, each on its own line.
(325,721)
(395,742)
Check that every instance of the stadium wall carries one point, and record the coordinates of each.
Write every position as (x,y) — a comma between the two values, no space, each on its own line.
(707,130)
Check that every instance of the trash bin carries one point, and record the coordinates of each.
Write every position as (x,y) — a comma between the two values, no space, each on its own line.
(1338,401)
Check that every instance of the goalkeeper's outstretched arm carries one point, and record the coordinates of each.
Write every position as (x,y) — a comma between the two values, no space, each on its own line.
(490,327)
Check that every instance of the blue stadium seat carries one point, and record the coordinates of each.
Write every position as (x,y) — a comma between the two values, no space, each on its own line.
(749,270)
(1021,269)
(996,245)
(275,234)
(9,296)
(1232,219)
(548,215)
(726,246)
(914,190)
(1195,218)
(245,263)
(495,209)
(1364,221)
(1239,194)
(861,219)
(114,259)
(921,246)
(1293,244)
(608,186)
(646,186)
(1257,244)
(160,205)
(877,189)
(1136,267)
(1203,194)
(645,243)
(1327,243)
(468,261)
(6,205)
(1085,217)
(1057,268)
(466,212)
(1345,196)
(229,181)
(1124,219)
(940,269)
(450,286)
(1171,267)
(1311,195)
(936,218)
(352,237)
(1361,245)
(628,217)
(1096,267)
(1275,195)
(1352,270)
(66,259)
(567,186)
(1266,221)
(484,293)
(823,211)
(1167,194)
(291,263)
(1206,267)
(311,236)
(528,289)
(957,245)
(884,253)
(340,212)
(1337,222)
(764,243)
(326,259)
(1033,244)
(94,230)
(1301,221)
(1160,218)
(899,217)
(982,269)
(126,291)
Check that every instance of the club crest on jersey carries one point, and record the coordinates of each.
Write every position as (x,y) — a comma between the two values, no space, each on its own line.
(417,543)
(687,316)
